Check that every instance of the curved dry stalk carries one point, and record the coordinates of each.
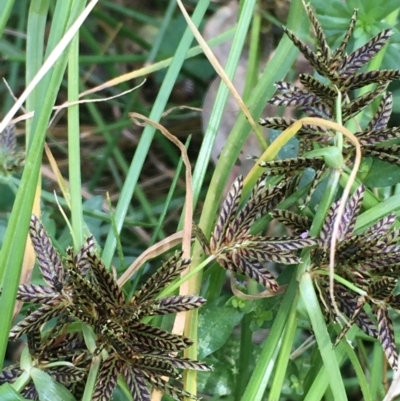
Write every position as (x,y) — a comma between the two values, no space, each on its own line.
(187,229)
(157,249)
(270,153)
(68,104)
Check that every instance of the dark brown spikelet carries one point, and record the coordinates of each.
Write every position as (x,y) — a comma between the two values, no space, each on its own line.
(153,337)
(29,392)
(9,374)
(8,141)
(337,55)
(67,374)
(376,136)
(253,269)
(370,77)
(178,303)
(136,384)
(164,276)
(50,263)
(294,222)
(323,47)
(36,293)
(175,392)
(291,96)
(382,115)
(318,88)
(228,212)
(351,210)
(354,61)
(35,320)
(34,341)
(291,166)
(386,336)
(355,106)
(81,259)
(394,302)
(107,380)
(315,60)
(282,123)
(352,308)
(157,365)
(105,281)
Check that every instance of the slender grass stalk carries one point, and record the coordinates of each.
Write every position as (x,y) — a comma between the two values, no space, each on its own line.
(74,159)
(254,50)
(16,67)
(35,40)
(5,11)
(376,374)
(284,355)
(156,45)
(246,347)
(321,334)
(244,357)
(92,377)
(362,380)
(261,374)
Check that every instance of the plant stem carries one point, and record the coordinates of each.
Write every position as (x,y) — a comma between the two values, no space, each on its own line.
(259,379)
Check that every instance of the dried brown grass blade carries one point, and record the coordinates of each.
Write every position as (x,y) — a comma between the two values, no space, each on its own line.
(157,249)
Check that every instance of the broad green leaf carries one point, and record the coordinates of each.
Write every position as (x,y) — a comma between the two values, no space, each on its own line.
(48,389)
(382,174)
(7,393)
(216,322)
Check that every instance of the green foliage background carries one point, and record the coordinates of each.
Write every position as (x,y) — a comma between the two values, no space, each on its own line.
(244,369)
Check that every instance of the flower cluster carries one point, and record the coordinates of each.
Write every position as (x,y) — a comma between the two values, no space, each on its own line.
(81,289)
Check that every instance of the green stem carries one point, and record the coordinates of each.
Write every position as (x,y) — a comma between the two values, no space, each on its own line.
(22,381)
(245,356)
(284,355)
(74,159)
(325,203)
(259,379)
(92,377)
(5,11)
(321,334)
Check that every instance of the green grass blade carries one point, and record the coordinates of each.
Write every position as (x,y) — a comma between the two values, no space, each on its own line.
(284,355)
(74,159)
(258,382)
(321,334)
(362,380)
(5,11)
(35,39)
